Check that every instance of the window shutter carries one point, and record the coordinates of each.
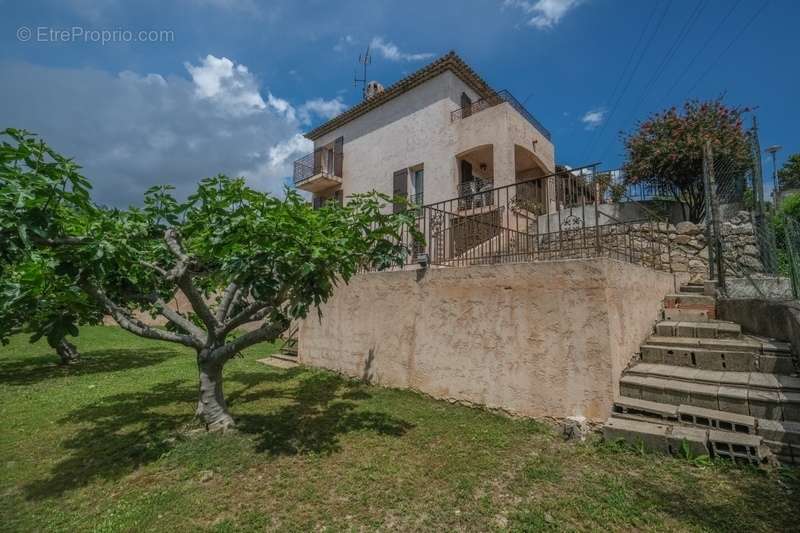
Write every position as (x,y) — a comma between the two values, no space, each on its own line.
(466,105)
(318,161)
(400,187)
(338,156)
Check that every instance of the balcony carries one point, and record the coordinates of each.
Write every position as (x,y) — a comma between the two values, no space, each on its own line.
(320,170)
(477,192)
(496,99)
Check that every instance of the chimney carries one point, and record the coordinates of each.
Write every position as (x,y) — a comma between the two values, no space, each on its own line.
(373,88)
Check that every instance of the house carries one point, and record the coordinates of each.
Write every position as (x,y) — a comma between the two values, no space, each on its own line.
(440,133)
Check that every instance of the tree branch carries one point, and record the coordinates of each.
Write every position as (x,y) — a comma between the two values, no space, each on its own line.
(182,260)
(267,332)
(199,305)
(242,317)
(180,272)
(227,299)
(136,326)
(178,319)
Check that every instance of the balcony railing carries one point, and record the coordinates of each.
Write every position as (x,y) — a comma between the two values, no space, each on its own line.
(496,99)
(325,161)
(473,193)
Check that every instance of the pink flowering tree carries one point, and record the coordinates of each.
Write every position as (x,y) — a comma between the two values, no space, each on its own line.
(667,149)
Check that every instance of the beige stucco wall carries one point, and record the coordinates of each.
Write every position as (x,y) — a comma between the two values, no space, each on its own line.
(415,128)
(535,339)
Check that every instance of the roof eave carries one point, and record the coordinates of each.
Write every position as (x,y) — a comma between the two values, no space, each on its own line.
(450,61)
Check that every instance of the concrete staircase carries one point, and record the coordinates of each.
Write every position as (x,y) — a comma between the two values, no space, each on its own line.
(703,384)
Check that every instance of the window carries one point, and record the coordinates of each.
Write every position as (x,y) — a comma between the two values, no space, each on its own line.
(399,187)
(419,185)
(466,105)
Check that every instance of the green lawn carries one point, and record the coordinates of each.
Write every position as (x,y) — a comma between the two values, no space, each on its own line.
(111,445)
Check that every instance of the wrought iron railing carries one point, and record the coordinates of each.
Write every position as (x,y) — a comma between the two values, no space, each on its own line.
(474,193)
(503,225)
(498,98)
(326,161)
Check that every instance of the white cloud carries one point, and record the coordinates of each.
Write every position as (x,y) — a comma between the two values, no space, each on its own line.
(130,131)
(391,52)
(594,117)
(282,106)
(231,86)
(544,14)
(281,153)
(326,109)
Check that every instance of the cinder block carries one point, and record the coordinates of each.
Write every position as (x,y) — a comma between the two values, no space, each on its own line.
(696,439)
(693,315)
(666,328)
(779,431)
(704,396)
(790,406)
(634,432)
(706,331)
(733,400)
(709,359)
(637,407)
(629,388)
(764,404)
(776,364)
(736,446)
(715,419)
(653,390)
(764,381)
(676,357)
(652,354)
(739,361)
(728,330)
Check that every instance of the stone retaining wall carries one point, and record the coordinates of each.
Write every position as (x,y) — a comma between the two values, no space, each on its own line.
(688,249)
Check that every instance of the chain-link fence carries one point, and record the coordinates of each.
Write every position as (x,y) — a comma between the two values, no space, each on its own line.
(743,251)
(791,253)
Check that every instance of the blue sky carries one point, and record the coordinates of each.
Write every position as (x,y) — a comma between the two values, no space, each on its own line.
(236,81)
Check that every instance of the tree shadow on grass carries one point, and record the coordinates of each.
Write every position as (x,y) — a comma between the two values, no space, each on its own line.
(33,370)
(325,406)
(129,430)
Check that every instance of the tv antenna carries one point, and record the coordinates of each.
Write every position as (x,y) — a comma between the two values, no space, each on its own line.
(364,60)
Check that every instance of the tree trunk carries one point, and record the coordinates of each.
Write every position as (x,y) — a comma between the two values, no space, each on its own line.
(67,352)
(211,406)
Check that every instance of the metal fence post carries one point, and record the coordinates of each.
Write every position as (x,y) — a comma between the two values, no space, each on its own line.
(711,193)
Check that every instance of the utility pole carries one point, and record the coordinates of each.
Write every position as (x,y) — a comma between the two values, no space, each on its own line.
(774,149)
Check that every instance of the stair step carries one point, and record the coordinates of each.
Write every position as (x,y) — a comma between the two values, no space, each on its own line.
(716,419)
(699,302)
(642,408)
(752,380)
(744,393)
(652,435)
(657,437)
(744,344)
(681,299)
(676,314)
(710,329)
(662,413)
(702,358)
(691,288)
